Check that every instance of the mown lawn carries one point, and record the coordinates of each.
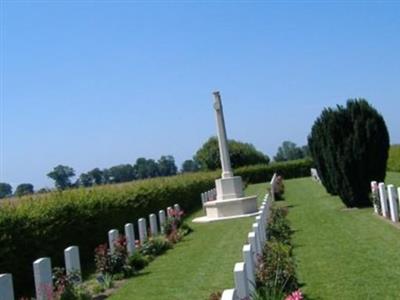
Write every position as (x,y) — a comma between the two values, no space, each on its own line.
(342,254)
(198,266)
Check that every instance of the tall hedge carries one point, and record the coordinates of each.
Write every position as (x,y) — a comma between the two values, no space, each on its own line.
(349,146)
(44,225)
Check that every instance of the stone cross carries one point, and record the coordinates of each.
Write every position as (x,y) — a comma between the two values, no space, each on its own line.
(72,262)
(222,138)
(130,238)
(43,279)
(153,225)
(6,287)
(112,238)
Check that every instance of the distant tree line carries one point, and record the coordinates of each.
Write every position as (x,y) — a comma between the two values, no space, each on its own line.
(142,169)
(205,159)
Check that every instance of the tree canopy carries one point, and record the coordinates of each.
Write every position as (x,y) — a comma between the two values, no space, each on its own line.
(289,151)
(24,189)
(61,176)
(5,190)
(241,154)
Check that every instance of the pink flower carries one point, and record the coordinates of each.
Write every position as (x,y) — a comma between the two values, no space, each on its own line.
(296,295)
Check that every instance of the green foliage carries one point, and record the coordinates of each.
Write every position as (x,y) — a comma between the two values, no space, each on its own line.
(50,222)
(68,287)
(241,154)
(146,168)
(290,151)
(394,158)
(349,146)
(96,176)
(278,226)
(262,173)
(137,261)
(167,166)
(5,190)
(24,189)
(120,173)
(189,165)
(276,272)
(61,176)
(85,180)
(155,246)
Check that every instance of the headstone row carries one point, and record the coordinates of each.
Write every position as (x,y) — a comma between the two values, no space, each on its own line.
(42,269)
(244,272)
(210,195)
(386,200)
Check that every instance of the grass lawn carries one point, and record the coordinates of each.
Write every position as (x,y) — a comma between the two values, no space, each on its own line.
(198,266)
(342,254)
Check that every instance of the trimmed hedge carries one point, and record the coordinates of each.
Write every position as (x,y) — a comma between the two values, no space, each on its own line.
(44,225)
(288,169)
(394,159)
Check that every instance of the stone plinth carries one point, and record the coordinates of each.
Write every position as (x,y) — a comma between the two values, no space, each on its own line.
(229,188)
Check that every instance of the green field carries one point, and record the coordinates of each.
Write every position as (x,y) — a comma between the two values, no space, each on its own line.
(342,254)
(198,266)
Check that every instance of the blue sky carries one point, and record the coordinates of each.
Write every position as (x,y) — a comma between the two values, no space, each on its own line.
(98,83)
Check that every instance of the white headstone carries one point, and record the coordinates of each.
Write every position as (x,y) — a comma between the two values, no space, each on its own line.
(72,262)
(6,287)
(241,283)
(394,214)
(177,210)
(252,241)
(261,229)
(161,217)
(142,230)
(43,279)
(130,238)
(153,225)
(112,238)
(169,211)
(250,269)
(375,193)
(383,198)
(229,295)
(260,244)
